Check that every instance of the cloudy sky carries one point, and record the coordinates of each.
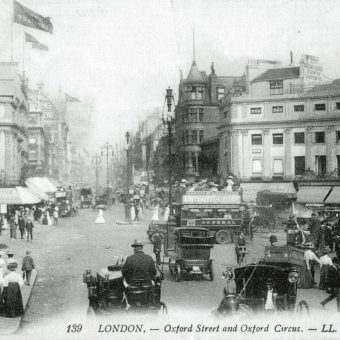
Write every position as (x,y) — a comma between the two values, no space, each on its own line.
(125,53)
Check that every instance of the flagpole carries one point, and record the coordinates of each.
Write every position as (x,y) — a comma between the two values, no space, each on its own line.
(12,19)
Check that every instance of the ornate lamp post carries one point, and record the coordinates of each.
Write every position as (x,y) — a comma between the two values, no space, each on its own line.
(168,123)
(108,147)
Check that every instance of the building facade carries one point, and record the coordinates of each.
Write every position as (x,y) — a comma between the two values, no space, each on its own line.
(13,123)
(288,124)
(197,114)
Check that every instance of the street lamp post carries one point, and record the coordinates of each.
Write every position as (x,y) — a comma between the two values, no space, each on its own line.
(107,147)
(168,122)
(127,205)
(96,161)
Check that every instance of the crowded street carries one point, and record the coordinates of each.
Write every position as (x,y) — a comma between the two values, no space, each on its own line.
(77,243)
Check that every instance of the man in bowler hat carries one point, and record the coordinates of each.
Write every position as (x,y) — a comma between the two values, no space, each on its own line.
(139,266)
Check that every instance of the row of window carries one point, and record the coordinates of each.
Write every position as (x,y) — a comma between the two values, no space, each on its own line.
(297,108)
(299,165)
(192,137)
(192,115)
(299,138)
(195,92)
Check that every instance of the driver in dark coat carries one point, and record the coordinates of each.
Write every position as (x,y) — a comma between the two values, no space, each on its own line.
(139,266)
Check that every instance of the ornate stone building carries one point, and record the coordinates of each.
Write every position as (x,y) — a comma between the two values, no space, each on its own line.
(197,115)
(286,125)
(13,122)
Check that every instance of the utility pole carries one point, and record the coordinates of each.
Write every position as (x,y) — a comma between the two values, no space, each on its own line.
(96,161)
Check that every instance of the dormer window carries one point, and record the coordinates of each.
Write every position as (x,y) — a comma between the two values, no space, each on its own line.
(276,87)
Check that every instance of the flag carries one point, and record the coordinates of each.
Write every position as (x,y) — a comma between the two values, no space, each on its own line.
(71,99)
(35,43)
(25,16)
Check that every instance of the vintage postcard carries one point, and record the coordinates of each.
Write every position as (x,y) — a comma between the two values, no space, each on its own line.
(169,169)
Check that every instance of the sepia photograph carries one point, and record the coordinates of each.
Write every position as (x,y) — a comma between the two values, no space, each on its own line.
(169,169)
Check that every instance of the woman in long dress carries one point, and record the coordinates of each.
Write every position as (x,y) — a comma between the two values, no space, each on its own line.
(100,217)
(166,214)
(133,212)
(155,216)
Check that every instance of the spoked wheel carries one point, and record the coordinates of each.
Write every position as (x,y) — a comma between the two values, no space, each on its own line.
(171,271)
(223,237)
(302,308)
(90,313)
(163,310)
(244,311)
(254,225)
(264,226)
(178,273)
(274,225)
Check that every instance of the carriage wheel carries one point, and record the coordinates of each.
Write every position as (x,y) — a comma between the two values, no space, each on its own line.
(171,271)
(223,237)
(302,308)
(90,313)
(245,311)
(163,310)
(178,273)
(254,225)
(211,273)
(264,226)
(274,225)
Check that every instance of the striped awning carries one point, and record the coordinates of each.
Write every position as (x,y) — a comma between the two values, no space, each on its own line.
(18,195)
(334,196)
(312,194)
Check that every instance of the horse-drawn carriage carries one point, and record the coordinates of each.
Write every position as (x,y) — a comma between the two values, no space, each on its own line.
(109,293)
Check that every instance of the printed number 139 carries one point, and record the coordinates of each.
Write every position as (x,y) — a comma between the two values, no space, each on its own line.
(75,328)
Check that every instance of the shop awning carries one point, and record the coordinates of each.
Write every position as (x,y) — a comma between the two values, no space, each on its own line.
(251,189)
(17,195)
(41,183)
(334,196)
(39,193)
(312,194)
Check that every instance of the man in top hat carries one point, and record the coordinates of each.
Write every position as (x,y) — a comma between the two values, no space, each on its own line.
(139,266)
(29,228)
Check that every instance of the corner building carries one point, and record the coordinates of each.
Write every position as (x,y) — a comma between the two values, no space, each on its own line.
(197,115)
(286,125)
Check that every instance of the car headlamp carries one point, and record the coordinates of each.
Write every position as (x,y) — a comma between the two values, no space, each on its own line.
(293,277)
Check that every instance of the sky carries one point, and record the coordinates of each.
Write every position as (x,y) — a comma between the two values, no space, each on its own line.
(125,54)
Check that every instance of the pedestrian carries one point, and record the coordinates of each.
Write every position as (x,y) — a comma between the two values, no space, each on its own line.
(100,217)
(155,216)
(230,184)
(315,229)
(157,247)
(29,229)
(140,211)
(325,262)
(294,233)
(310,258)
(27,266)
(10,258)
(136,212)
(13,228)
(55,216)
(13,304)
(333,283)
(21,223)
(166,213)
(240,245)
(133,212)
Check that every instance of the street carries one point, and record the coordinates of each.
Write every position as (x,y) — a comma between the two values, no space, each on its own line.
(63,252)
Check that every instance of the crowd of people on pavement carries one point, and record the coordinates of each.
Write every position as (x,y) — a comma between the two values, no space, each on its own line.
(11,302)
